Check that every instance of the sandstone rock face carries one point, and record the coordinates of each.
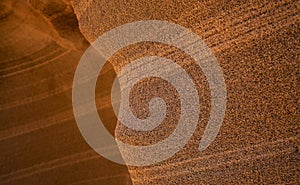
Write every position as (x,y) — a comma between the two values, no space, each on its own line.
(40,48)
(256,46)
(255,43)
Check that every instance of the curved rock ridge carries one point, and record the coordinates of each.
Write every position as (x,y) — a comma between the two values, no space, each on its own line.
(40,48)
(255,43)
(256,46)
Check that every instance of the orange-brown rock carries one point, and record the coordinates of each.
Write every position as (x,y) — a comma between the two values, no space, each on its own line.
(40,143)
(255,42)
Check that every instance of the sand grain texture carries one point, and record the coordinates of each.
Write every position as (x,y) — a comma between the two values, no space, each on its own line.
(257,46)
(256,43)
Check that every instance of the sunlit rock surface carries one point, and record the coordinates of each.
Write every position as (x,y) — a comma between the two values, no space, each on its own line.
(256,46)
(255,43)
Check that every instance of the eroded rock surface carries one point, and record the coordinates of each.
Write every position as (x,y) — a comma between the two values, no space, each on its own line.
(40,48)
(256,46)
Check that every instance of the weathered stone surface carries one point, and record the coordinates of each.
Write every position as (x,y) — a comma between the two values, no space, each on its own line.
(40,143)
(256,46)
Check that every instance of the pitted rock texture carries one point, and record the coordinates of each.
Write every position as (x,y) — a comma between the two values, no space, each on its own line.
(256,44)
